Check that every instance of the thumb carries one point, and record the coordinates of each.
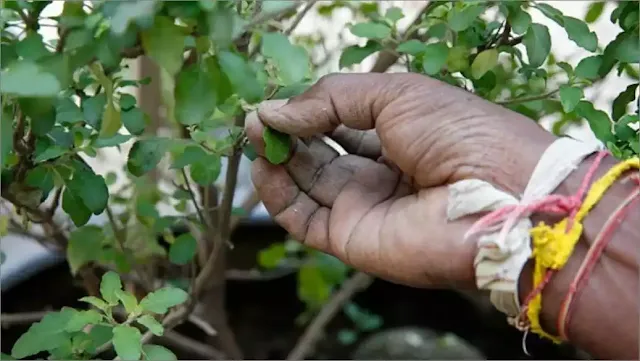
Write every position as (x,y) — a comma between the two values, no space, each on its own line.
(355,100)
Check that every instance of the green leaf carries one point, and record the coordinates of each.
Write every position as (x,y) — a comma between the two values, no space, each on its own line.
(111,142)
(85,245)
(242,76)
(569,97)
(187,156)
(538,44)
(249,151)
(127,101)
(356,54)
(551,13)
(4,356)
(161,300)
(109,285)
(484,62)
(206,171)
(371,30)
(292,61)
(32,47)
(394,14)
(90,187)
(412,47)
(272,256)
(332,269)
(127,342)
(145,154)
(164,43)
(437,55)
(111,121)
(73,205)
(461,19)
(183,249)
(47,334)
(128,300)
(135,120)
(579,32)
(6,138)
(96,302)
(622,129)
(312,287)
(588,67)
(26,79)
(99,335)
(224,24)
(195,96)
(52,152)
(347,337)
(628,48)
(68,112)
(520,21)
(93,109)
(619,107)
(158,353)
(598,120)
(150,323)
(594,11)
(81,319)
(277,145)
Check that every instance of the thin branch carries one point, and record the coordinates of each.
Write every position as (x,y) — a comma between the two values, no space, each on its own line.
(179,341)
(312,334)
(300,16)
(202,324)
(529,98)
(9,319)
(193,198)
(55,203)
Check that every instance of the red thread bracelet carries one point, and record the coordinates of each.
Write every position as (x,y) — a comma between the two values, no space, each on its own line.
(594,253)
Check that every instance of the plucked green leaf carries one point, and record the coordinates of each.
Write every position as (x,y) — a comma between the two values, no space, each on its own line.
(127,342)
(356,54)
(164,43)
(161,300)
(291,60)
(109,285)
(484,62)
(158,353)
(277,145)
(145,154)
(579,32)
(461,19)
(26,79)
(152,324)
(371,30)
(195,96)
(242,76)
(312,287)
(538,44)
(183,249)
(85,245)
(569,97)
(128,300)
(437,55)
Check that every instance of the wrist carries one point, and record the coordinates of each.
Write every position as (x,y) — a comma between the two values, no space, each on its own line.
(592,307)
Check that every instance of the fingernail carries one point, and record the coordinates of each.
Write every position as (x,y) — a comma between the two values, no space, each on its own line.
(272,105)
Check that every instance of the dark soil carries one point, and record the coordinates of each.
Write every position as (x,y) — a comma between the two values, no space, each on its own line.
(262,313)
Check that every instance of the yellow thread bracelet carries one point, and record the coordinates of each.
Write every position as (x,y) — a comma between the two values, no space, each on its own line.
(552,246)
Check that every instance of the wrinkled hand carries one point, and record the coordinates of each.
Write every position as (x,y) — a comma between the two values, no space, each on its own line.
(382,208)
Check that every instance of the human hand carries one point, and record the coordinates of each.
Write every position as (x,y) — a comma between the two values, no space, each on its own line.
(382,208)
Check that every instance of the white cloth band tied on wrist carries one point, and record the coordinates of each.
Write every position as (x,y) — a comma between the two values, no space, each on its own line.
(498,263)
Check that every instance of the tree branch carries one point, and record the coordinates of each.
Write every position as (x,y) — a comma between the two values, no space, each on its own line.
(350,287)
(529,98)
(300,16)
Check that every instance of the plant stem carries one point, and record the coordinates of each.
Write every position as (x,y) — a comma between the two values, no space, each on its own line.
(528,99)
(350,287)
(300,16)
(193,199)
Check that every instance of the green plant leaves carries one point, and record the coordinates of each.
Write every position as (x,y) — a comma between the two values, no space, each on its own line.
(312,288)
(520,21)
(108,286)
(272,256)
(594,11)
(569,97)
(457,59)
(47,334)
(26,79)
(158,353)
(134,120)
(579,32)
(85,245)
(164,43)
(207,170)
(292,61)
(461,19)
(434,57)
(371,30)
(241,75)
(277,145)
(145,154)
(484,62)
(96,302)
(356,54)
(128,300)
(538,43)
(619,107)
(161,300)
(127,342)
(588,68)
(598,120)
(152,324)
(6,138)
(80,319)
(195,96)
(183,249)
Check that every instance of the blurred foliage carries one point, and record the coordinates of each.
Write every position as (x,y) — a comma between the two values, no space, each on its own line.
(65,100)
